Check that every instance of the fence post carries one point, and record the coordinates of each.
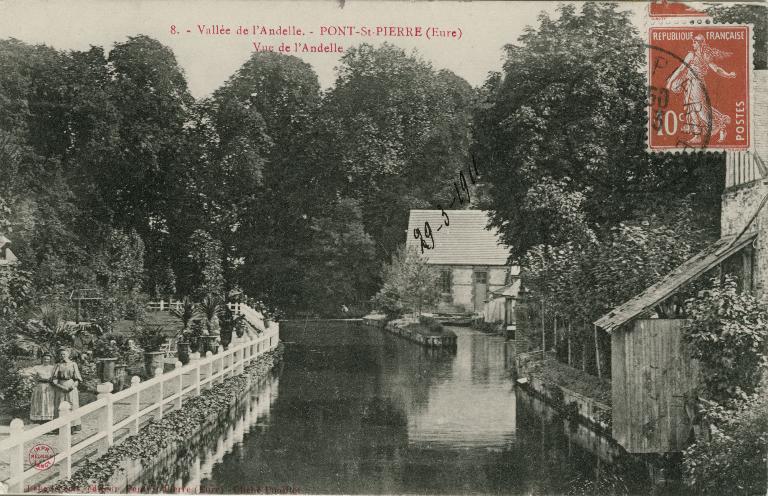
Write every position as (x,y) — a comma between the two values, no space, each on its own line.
(208,356)
(177,365)
(106,417)
(136,405)
(65,441)
(17,457)
(158,373)
(222,373)
(194,358)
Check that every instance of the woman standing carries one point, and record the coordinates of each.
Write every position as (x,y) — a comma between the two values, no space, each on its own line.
(66,377)
(42,405)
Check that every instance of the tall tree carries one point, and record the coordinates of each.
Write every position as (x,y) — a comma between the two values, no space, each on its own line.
(281,95)
(402,132)
(152,104)
(566,121)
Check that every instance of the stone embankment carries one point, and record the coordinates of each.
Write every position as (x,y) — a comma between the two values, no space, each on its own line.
(588,410)
(414,331)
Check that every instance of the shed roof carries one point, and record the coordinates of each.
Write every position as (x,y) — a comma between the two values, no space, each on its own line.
(464,241)
(512,289)
(691,269)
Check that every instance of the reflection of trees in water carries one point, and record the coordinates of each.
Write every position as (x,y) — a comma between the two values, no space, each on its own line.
(412,370)
(560,464)
(209,446)
(488,356)
(330,412)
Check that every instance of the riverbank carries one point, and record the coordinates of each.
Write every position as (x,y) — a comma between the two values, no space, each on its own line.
(570,391)
(125,463)
(425,334)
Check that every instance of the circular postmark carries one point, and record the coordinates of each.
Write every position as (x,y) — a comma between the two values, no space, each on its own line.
(42,456)
(697,114)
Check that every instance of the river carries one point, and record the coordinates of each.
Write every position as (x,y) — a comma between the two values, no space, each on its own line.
(357,410)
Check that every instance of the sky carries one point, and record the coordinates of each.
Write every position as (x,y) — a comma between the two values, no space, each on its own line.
(208,60)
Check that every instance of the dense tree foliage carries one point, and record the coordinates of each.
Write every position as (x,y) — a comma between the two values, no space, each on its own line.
(560,135)
(409,284)
(728,335)
(754,14)
(732,459)
(271,185)
(402,130)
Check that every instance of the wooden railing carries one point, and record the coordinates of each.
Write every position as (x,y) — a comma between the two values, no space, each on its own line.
(201,372)
(254,317)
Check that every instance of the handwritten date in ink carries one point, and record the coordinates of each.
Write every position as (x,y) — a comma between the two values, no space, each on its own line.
(426,237)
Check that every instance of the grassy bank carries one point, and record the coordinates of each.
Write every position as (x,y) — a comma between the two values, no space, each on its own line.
(553,371)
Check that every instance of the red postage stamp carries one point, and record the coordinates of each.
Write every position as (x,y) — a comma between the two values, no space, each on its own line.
(42,456)
(699,88)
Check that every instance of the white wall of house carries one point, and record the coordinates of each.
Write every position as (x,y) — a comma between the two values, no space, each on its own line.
(463,286)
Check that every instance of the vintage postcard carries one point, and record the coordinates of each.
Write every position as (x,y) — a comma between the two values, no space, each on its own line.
(383,247)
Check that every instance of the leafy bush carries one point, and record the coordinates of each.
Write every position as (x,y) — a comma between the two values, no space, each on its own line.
(489,327)
(270,313)
(733,459)
(410,284)
(106,347)
(15,388)
(728,334)
(149,338)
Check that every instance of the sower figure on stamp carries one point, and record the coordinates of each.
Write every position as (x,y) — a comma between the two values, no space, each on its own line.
(66,377)
(43,396)
(690,78)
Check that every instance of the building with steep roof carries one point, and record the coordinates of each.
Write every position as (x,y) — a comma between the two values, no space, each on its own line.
(472,260)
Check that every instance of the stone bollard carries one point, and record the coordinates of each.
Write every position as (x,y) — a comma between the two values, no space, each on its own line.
(158,372)
(135,380)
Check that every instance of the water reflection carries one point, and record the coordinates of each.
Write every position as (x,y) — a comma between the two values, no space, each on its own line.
(362,411)
(192,467)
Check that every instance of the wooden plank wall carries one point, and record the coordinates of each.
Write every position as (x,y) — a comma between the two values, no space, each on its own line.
(652,379)
(740,168)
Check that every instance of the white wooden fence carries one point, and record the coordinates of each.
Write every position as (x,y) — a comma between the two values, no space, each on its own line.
(203,372)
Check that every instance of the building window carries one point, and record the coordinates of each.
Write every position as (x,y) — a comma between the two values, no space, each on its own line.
(481,277)
(445,281)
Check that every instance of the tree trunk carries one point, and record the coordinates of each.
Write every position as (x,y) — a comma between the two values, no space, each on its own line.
(554,332)
(583,353)
(597,352)
(543,339)
(570,359)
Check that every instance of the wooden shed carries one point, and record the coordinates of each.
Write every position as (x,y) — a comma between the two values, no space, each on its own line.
(652,379)
(652,382)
